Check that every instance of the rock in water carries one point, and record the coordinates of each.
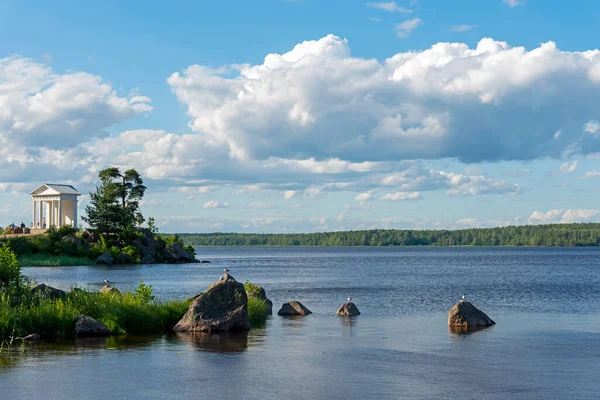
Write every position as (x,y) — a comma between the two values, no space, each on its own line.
(48,291)
(293,308)
(348,309)
(105,258)
(465,316)
(87,327)
(106,289)
(175,253)
(223,307)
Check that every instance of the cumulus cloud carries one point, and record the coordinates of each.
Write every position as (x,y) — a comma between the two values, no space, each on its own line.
(401,196)
(288,194)
(40,108)
(261,205)
(414,105)
(364,196)
(563,216)
(565,168)
(592,174)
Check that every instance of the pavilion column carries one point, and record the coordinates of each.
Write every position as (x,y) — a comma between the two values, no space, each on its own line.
(75,213)
(34,213)
(50,215)
(60,214)
(41,213)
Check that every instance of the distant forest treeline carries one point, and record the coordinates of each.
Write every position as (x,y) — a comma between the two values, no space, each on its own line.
(587,234)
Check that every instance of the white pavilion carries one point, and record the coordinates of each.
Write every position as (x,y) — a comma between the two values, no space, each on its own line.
(54,205)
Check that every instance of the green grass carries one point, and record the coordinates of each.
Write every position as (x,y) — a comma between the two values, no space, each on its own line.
(257,312)
(55,319)
(49,260)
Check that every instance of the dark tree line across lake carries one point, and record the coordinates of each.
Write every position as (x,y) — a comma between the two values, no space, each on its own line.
(582,234)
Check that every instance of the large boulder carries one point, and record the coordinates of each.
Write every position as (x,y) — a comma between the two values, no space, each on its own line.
(259,293)
(148,259)
(148,246)
(293,308)
(348,309)
(223,307)
(105,259)
(175,253)
(464,316)
(48,291)
(87,327)
(34,337)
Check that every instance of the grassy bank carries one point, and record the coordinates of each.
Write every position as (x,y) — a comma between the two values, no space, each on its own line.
(54,319)
(50,260)
(257,312)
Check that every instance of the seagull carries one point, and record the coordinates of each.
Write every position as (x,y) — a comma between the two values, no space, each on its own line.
(226,270)
(464,296)
(349,298)
(106,282)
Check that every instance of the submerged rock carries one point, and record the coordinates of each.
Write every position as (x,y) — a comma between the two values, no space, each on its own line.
(464,316)
(105,259)
(48,291)
(175,253)
(223,307)
(348,309)
(87,326)
(205,262)
(293,308)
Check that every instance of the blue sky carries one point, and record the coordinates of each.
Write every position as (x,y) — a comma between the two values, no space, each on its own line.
(301,116)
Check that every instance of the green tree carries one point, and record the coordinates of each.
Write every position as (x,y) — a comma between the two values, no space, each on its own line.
(114,207)
(10,269)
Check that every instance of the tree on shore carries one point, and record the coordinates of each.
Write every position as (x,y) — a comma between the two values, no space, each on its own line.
(114,207)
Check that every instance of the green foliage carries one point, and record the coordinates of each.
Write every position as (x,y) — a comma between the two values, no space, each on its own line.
(7,231)
(132,253)
(152,226)
(144,292)
(586,234)
(66,230)
(54,319)
(257,312)
(251,288)
(10,269)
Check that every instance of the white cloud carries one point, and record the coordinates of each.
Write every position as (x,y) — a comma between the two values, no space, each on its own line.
(462,28)
(514,3)
(518,172)
(152,203)
(288,194)
(405,28)
(215,204)
(593,128)
(364,196)
(563,216)
(565,169)
(414,105)
(388,6)
(373,19)
(401,196)
(312,192)
(39,108)
(592,174)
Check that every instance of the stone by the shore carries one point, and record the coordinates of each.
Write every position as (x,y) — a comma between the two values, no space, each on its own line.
(175,253)
(293,308)
(107,289)
(34,337)
(48,291)
(223,307)
(88,327)
(205,262)
(348,309)
(260,294)
(70,239)
(105,259)
(465,316)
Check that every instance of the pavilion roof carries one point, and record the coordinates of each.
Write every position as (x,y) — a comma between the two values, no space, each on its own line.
(58,187)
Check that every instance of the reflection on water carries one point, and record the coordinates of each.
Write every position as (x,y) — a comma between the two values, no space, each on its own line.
(222,342)
(464,330)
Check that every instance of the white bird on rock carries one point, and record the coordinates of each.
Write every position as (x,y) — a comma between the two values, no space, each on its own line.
(464,296)
(106,282)
(349,298)
(226,270)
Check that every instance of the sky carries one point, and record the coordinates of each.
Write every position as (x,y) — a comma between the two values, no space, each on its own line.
(305,116)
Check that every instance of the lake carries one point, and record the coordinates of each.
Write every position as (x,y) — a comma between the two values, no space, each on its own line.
(546,344)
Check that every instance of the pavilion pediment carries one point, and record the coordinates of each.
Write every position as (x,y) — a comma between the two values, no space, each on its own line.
(49,189)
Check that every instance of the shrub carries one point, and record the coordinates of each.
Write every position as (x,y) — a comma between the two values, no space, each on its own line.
(133,253)
(257,312)
(10,269)
(66,230)
(144,292)
(252,289)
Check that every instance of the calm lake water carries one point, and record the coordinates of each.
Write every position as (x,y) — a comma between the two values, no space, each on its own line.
(546,344)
